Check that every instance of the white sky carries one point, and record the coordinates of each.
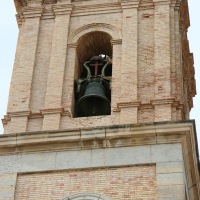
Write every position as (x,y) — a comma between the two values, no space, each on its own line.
(8,38)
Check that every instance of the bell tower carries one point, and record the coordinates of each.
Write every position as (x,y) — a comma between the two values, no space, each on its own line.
(99,102)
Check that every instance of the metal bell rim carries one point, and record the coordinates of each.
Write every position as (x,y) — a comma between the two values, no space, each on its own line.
(107,102)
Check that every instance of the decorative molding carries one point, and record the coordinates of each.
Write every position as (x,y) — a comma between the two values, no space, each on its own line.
(62,9)
(126,105)
(19,113)
(72,45)
(51,111)
(20,19)
(161,2)
(129,4)
(145,106)
(35,115)
(114,32)
(15,114)
(163,101)
(88,196)
(48,13)
(117,41)
(67,113)
(158,132)
(95,9)
(32,12)
(141,106)
(5,119)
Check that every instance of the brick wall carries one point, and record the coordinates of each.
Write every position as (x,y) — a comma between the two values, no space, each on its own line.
(135,182)
(148,41)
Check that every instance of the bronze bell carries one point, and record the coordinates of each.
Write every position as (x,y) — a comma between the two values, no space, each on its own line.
(94,101)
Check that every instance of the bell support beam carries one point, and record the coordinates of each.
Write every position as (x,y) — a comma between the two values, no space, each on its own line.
(55,78)
(162,68)
(20,92)
(129,63)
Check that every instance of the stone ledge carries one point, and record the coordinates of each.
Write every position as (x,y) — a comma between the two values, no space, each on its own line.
(100,137)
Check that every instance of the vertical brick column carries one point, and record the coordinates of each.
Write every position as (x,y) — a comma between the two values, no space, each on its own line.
(54,90)
(129,86)
(178,62)
(116,72)
(68,88)
(20,91)
(162,69)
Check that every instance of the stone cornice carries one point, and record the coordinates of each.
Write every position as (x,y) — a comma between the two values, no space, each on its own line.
(155,133)
(96,9)
(20,4)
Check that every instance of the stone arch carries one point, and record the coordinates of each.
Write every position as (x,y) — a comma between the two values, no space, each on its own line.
(114,32)
(93,43)
(87,196)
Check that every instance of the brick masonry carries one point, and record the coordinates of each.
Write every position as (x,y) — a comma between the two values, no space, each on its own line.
(150,81)
(136,182)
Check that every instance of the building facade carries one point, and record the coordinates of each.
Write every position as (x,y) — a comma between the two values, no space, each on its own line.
(99,103)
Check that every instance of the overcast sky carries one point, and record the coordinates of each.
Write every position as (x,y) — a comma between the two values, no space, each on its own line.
(9,32)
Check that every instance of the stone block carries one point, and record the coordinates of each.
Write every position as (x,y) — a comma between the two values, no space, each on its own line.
(7,192)
(8,179)
(98,157)
(37,162)
(169,167)
(166,153)
(171,192)
(7,163)
(128,155)
(73,159)
(170,179)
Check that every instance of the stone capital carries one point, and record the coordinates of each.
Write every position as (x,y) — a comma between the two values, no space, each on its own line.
(126,105)
(126,4)
(32,12)
(19,113)
(34,2)
(163,101)
(20,19)
(161,2)
(63,9)
(51,111)
(117,41)
(72,45)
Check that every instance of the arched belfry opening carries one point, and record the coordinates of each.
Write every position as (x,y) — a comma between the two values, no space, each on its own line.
(93,75)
